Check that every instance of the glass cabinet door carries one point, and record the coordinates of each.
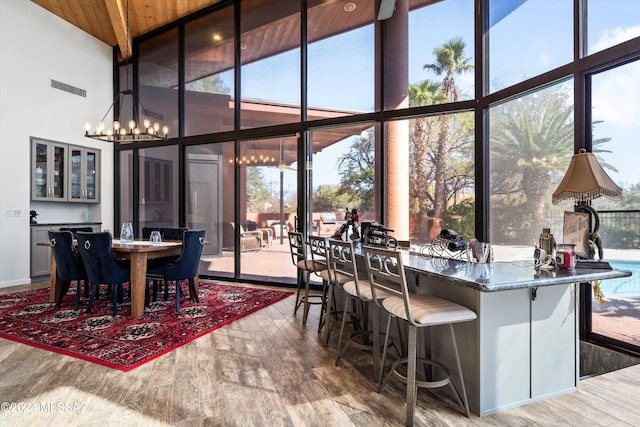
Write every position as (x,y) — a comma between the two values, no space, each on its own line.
(58,178)
(91,175)
(83,183)
(76,174)
(63,172)
(48,170)
(40,189)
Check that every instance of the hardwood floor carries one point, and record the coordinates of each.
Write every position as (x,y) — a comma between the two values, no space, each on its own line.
(264,370)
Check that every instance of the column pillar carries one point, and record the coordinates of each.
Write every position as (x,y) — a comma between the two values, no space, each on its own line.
(396,77)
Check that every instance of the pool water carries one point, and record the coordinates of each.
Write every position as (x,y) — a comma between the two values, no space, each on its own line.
(625,286)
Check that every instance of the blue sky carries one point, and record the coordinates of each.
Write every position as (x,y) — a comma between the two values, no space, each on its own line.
(533,38)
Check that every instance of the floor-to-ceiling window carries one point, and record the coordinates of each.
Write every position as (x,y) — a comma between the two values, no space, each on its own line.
(342,179)
(615,103)
(611,22)
(472,110)
(209,73)
(268,194)
(530,146)
(527,38)
(210,205)
(158,79)
(159,193)
(124,196)
(430,174)
(340,66)
(441,175)
(270,57)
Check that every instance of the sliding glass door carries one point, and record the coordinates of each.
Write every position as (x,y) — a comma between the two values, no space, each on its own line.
(268,197)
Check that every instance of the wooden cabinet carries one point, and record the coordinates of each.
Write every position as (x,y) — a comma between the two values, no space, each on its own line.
(64,173)
(41,255)
(49,168)
(84,175)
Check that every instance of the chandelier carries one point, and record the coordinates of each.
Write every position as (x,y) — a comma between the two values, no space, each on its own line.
(261,160)
(132,131)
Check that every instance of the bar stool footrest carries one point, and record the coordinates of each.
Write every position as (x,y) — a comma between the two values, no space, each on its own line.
(432,384)
(368,336)
(312,302)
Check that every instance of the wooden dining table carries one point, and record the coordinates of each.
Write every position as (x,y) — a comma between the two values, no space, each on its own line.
(137,252)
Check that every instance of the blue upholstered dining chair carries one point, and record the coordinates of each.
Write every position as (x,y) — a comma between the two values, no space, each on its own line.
(74,230)
(101,267)
(167,233)
(69,266)
(183,268)
(173,233)
(146,231)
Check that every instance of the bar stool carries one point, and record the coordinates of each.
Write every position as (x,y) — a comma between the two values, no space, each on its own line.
(337,279)
(386,274)
(305,265)
(319,250)
(357,290)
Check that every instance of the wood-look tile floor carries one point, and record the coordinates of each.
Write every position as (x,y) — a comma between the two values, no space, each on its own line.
(264,370)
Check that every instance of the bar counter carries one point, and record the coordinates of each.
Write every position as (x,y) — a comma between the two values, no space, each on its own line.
(502,276)
(524,345)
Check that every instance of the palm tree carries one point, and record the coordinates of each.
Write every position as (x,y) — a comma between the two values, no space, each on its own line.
(531,139)
(424,93)
(450,61)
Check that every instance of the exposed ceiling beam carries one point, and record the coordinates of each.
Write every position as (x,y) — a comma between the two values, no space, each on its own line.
(118,17)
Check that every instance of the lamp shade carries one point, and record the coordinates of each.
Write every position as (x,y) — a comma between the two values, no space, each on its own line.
(585,180)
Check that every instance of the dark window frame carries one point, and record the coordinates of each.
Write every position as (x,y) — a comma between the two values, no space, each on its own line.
(579,69)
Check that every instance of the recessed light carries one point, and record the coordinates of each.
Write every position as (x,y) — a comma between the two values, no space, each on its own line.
(349,7)
(216,37)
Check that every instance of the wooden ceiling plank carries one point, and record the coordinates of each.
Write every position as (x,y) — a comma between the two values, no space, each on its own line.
(118,17)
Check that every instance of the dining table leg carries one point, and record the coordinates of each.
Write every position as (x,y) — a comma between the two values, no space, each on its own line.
(55,286)
(138,282)
(196,282)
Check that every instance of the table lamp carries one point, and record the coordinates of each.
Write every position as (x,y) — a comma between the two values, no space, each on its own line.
(584,181)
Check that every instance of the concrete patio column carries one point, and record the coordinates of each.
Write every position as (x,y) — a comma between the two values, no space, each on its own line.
(397,132)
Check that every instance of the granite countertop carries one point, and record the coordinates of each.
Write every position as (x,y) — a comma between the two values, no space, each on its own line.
(499,276)
(504,276)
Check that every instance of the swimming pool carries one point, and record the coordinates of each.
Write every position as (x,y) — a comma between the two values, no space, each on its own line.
(625,286)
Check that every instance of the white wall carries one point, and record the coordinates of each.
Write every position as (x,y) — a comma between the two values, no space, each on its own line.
(35,47)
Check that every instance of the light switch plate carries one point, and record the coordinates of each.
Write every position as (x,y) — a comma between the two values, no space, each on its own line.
(12,212)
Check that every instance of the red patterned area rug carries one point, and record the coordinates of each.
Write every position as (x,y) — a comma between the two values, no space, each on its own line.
(122,342)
